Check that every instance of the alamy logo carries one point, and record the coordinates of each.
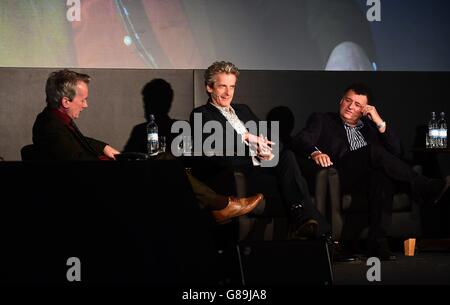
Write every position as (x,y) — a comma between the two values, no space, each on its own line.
(374,12)
(74,10)
(212,139)
(374,272)
(74,272)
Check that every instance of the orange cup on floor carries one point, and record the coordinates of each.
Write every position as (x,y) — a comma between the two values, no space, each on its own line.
(409,246)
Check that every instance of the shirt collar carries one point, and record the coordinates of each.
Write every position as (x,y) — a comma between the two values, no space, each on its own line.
(358,125)
(223,109)
(61,116)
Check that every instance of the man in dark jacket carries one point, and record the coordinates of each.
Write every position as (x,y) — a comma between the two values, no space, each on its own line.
(365,151)
(282,176)
(55,134)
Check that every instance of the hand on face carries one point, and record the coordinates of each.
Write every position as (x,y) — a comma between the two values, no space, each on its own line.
(351,107)
(372,113)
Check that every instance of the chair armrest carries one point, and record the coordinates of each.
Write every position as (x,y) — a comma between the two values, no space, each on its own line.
(317,179)
(310,171)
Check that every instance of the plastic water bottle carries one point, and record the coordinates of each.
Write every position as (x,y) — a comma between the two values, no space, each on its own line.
(433,132)
(152,136)
(442,131)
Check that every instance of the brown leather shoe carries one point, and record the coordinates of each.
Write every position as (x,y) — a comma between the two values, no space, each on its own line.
(237,207)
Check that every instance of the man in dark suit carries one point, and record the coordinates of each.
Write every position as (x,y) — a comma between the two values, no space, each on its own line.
(220,81)
(55,134)
(366,152)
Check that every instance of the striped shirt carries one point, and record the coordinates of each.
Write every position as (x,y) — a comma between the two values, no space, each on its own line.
(239,126)
(354,136)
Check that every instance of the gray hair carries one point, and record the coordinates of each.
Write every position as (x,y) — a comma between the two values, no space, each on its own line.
(61,84)
(219,67)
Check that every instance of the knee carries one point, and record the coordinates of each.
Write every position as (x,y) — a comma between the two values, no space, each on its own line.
(377,151)
(380,177)
(377,175)
(287,156)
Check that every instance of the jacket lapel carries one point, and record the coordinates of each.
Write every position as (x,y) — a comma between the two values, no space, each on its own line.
(82,139)
(340,140)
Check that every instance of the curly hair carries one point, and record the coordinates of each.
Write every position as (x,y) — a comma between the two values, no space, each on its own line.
(219,67)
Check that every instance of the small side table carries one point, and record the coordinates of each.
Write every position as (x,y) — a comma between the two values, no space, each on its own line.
(435,163)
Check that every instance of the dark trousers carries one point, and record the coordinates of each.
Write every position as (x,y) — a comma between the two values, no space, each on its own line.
(369,175)
(287,180)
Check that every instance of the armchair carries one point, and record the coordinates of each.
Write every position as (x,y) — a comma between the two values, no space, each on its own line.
(28,152)
(406,219)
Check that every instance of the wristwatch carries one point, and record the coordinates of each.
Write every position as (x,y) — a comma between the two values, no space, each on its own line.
(381,125)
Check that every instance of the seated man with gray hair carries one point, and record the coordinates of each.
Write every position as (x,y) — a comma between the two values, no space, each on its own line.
(284,174)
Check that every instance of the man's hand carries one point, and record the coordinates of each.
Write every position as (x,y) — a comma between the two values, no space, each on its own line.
(110,152)
(251,138)
(372,113)
(321,159)
(263,146)
(264,152)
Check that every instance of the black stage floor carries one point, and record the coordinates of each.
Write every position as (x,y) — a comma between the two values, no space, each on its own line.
(425,268)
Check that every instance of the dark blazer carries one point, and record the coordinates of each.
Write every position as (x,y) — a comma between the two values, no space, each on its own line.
(326,132)
(211,113)
(54,140)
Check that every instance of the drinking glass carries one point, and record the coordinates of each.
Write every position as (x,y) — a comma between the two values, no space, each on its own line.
(162,144)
